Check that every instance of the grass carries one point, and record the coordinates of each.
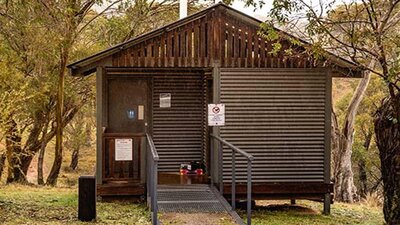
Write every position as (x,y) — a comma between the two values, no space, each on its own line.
(309,213)
(43,205)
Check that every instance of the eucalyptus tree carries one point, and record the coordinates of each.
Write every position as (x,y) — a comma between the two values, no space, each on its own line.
(37,39)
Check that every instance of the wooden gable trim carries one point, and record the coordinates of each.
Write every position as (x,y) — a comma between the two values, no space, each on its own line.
(218,34)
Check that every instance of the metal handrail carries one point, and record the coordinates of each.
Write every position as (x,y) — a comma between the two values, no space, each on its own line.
(152,147)
(152,178)
(249,158)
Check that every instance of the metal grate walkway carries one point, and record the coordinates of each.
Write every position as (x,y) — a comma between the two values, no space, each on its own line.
(188,199)
(193,198)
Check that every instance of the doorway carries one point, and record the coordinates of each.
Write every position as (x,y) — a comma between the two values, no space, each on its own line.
(179,131)
(128,119)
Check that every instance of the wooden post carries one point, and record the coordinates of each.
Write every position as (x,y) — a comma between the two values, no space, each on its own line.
(87,198)
(327,161)
(99,122)
(215,129)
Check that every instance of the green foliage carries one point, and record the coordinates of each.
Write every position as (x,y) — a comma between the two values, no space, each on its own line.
(134,18)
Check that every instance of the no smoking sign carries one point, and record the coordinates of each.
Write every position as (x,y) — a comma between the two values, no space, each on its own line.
(216,114)
(215,109)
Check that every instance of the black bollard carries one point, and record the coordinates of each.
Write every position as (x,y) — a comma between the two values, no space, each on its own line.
(87,198)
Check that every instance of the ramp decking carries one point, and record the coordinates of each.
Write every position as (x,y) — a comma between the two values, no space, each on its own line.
(195,198)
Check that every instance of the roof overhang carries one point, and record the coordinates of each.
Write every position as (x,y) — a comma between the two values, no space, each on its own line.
(89,64)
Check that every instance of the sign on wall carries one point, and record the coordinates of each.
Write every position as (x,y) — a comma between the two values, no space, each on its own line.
(216,114)
(165,100)
(123,149)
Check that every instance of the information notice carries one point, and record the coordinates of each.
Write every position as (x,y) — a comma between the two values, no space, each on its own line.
(216,114)
(165,100)
(123,149)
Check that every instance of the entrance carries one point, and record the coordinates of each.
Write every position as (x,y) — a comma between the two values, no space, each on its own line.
(128,105)
(179,131)
(128,121)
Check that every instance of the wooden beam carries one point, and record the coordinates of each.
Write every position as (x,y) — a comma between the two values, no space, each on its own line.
(216,73)
(328,111)
(283,188)
(100,77)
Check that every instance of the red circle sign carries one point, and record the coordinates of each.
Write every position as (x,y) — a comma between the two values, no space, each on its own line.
(216,109)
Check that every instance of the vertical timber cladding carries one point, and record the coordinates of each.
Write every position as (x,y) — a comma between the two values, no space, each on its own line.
(179,130)
(278,115)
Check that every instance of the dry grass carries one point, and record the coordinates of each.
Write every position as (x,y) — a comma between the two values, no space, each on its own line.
(373,200)
(44,205)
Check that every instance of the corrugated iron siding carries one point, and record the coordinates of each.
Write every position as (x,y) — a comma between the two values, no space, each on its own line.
(279,117)
(178,131)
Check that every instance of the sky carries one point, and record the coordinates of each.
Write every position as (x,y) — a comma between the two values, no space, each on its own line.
(259,14)
(237,4)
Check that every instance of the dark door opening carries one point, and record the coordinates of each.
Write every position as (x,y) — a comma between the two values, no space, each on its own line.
(128,120)
(179,131)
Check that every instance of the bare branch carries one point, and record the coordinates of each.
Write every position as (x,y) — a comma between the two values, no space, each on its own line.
(95,17)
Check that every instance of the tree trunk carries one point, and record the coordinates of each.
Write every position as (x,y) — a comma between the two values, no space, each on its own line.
(387,131)
(14,154)
(74,158)
(2,163)
(55,169)
(345,190)
(362,171)
(335,136)
(41,155)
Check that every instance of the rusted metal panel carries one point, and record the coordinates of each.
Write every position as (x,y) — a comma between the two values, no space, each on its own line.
(178,130)
(278,116)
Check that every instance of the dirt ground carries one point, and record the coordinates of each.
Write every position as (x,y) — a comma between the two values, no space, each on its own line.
(223,218)
(284,206)
(196,218)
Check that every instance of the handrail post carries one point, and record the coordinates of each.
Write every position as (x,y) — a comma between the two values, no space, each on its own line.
(221,163)
(148,175)
(152,178)
(150,182)
(211,166)
(248,192)
(155,180)
(233,188)
(249,158)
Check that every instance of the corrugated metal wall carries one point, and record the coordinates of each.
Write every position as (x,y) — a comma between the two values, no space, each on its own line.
(279,117)
(178,131)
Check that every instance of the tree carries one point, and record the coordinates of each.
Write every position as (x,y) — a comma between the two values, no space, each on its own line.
(368,177)
(345,190)
(63,19)
(362,31)
(78,133)
(137,17)
(27,84)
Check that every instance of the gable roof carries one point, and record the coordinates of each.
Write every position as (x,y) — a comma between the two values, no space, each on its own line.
(88,65)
